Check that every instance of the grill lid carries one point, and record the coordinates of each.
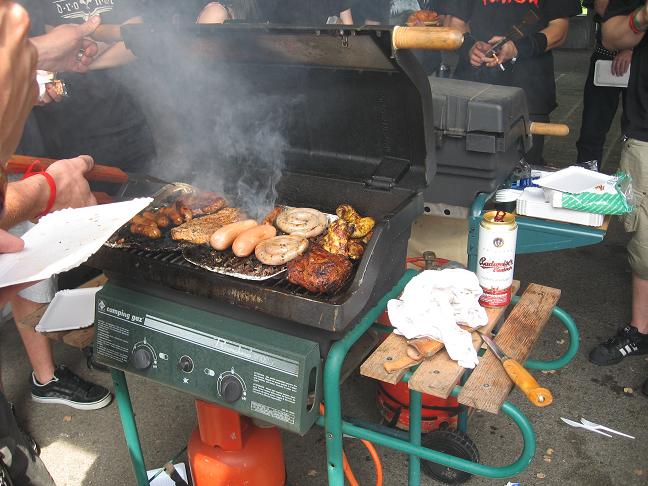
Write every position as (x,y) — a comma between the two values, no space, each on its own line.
(348,106)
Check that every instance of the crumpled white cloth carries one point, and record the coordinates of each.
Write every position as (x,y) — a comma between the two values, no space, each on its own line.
(432,305)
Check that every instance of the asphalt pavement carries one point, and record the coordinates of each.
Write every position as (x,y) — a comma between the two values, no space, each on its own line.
(88,448)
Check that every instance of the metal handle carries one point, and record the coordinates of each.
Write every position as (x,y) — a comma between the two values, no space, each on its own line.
(551,129)
(436,38)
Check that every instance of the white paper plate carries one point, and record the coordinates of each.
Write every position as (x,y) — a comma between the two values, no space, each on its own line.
(572,179)
(64,240)
(69,309)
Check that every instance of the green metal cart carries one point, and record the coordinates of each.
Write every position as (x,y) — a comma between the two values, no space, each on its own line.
(533,236)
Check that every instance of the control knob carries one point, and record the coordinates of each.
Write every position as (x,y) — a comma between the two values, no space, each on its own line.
(230,388)
(186,364)
(142,358)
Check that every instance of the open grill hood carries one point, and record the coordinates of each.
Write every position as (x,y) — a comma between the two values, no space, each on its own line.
(350,107)
(357,121)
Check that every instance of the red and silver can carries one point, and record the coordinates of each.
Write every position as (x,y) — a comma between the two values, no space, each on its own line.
(496,257)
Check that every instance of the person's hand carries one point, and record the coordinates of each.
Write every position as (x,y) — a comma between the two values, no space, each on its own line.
(621,62)
(72,189)
(507,52)
(18,87)
(477,52)
(10,244)
(66,48)
(51,95)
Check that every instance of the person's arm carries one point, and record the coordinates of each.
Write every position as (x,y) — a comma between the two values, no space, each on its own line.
(28,198)
(551,37)
(617,33)
(18,88)
(346,17)
(116,54)
(213,13)
(600,6)
(472,49)
(66,48)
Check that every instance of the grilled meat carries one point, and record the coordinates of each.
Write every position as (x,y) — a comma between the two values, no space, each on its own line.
(272,215)
(423,18)
(319,271)
(336,240)
(362,226)
(199,230)
(152,232)
(355,250)
(202,203)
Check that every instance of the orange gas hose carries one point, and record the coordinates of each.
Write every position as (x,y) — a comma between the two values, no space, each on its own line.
(347,467)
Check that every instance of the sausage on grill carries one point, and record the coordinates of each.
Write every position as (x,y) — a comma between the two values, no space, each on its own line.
(152,232)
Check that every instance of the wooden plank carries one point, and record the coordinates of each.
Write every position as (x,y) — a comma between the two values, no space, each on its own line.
(391,349)
(489,385)
(80,338)
(439,374)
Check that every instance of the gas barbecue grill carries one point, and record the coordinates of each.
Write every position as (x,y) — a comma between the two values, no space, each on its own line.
(357,133)
(358,130)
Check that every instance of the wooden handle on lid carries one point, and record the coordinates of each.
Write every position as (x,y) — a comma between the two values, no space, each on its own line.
(436,38)
(551,129)
(107,33)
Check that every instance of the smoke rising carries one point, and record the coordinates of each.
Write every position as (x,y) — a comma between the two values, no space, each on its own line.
(215,129)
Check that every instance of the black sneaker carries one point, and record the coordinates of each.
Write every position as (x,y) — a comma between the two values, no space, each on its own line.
(69,389)
(628,341)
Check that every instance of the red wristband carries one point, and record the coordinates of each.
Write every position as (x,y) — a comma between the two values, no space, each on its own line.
(50,182)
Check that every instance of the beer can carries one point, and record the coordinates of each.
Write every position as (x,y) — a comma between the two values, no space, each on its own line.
(496,257)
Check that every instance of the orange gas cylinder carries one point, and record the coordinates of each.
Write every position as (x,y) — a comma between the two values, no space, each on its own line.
(436,413)
(227,449)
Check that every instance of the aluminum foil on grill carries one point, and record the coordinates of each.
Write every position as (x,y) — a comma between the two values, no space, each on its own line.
(226,263)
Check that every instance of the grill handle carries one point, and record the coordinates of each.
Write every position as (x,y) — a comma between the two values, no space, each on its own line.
(551,129)
(18,164)
(436,38)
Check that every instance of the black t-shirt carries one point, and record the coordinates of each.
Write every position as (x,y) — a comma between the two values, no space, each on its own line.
(488,18)
(635,108)
(99,117)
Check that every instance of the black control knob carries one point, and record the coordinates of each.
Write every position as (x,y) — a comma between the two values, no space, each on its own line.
(230,389)
(142,358)
(186,364)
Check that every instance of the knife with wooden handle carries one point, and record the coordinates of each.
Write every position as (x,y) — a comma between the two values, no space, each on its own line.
(540,397)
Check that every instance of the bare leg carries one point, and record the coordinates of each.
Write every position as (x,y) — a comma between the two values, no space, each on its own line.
(38,347)
(640,304)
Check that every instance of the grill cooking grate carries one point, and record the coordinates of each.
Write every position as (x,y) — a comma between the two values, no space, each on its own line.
(176,257)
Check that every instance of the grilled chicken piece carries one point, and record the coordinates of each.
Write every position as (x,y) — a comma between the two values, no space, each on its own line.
(336,240)
(355,250)
(202,203)
(199,230)
(319,271)
(363,226)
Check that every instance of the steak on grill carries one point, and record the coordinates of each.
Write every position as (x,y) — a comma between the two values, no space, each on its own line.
(199,230)
(319,271)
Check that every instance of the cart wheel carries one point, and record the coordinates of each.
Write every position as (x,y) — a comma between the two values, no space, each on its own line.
(450,442)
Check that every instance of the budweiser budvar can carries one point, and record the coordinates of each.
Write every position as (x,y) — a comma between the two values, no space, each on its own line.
(496,257)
